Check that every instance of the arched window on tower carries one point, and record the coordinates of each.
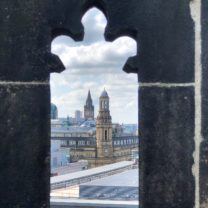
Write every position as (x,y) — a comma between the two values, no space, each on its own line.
(103,104)
(106,137)
(106,104)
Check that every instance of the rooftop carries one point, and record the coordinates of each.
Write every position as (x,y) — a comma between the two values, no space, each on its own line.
(72,129)
(93,171)
(127,178)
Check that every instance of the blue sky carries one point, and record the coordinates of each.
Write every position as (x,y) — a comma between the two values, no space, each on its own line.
(95,64)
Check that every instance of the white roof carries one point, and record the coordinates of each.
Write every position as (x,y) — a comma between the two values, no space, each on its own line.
(93,171)
(72,129)
(128,178)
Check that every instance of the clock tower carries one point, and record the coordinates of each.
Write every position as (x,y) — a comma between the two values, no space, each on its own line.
(104,131)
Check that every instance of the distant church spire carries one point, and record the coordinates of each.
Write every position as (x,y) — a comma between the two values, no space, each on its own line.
(89,108)
(89,99)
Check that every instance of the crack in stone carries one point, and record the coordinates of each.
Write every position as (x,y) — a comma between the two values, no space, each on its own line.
(23,83)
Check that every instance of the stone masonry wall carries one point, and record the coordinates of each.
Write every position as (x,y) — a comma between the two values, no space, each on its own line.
(204,145)
(171,64)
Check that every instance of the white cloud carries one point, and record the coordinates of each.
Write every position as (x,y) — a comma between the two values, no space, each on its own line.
(104,56)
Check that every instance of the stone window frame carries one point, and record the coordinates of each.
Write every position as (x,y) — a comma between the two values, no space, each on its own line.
(173,51)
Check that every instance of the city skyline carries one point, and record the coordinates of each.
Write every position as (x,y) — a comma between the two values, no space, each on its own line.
(95,64)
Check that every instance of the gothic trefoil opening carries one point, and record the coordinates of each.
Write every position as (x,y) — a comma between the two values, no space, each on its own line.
(94,118)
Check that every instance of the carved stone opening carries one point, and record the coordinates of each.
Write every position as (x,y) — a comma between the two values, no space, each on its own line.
(106,138)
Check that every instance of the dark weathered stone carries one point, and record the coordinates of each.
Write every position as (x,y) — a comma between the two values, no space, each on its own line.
(25,146)
(27,29)
(166,147)
(204,145)
(164,32)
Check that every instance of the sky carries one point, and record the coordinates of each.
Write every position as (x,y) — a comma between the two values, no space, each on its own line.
(95,64)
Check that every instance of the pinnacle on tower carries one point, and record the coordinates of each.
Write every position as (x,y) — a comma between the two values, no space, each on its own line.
(89,96)
(89,108)
(104,93)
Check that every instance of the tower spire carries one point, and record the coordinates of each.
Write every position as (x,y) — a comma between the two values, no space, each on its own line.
(89,108)
(89,95)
